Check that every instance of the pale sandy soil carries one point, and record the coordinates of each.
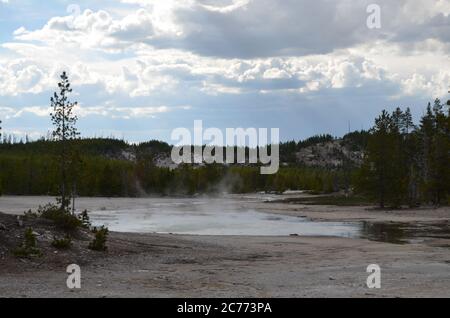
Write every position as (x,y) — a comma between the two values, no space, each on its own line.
(357,213)
(154,265)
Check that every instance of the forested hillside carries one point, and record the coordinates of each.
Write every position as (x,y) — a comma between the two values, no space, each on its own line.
(113,167)
(397,162)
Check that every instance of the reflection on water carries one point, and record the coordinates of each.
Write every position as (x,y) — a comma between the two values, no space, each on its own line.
(402,233)
(384,232)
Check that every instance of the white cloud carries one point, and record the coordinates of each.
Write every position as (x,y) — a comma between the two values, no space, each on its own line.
(93,30)
(121,112)
(106,110)
(227,8)
(275,73)
(11,112)
(217,54)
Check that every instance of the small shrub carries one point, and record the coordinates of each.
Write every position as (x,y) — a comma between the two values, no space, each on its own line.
(85,220)
(28,246)
(30,214)
(48,211)
(62,243)
(30,238)
(62,218)
(67,221)
(99,242)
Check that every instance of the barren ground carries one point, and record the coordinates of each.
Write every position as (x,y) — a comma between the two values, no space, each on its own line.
(154,265)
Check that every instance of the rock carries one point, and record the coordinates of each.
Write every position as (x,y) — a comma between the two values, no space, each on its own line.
(331,278)
(2,227)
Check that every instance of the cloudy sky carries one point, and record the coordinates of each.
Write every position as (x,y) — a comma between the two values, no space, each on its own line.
(143,67)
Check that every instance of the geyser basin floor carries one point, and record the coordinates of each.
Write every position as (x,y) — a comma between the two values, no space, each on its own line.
(161,265)
(241,217)
(206,218)
(250,215)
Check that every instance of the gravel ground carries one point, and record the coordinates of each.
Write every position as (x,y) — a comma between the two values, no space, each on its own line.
(154,265)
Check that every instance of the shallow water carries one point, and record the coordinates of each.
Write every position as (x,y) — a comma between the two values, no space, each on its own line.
(214,217)
(229,215)
(239,216)
(404,233)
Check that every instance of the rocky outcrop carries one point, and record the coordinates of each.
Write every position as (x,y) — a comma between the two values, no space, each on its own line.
(331,154)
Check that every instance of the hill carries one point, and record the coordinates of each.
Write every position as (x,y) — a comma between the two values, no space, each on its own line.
(316,151)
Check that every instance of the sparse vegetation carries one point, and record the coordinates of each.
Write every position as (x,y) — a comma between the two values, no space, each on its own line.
(99,242)
(62,218)
(28,248)
(62,243)
(85,220)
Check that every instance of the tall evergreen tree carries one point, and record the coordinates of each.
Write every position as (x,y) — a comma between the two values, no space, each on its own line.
(65,131)
(384,172)
(411,157)
(435,152)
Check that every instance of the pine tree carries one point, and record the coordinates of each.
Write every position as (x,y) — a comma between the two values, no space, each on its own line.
(377,156)
(383,174)
(441,156)
(410,160)
(408,124)
(64,132)
(435,158)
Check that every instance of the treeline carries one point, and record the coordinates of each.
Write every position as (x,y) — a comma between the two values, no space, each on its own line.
(404,164)
(119,149)
(33,174)
(111,167)
(407,164)
(106,169)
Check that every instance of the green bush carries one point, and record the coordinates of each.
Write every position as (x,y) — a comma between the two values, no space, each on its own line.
(62,243)
(85,220)
(62,218)
(99,242)
(29,245)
